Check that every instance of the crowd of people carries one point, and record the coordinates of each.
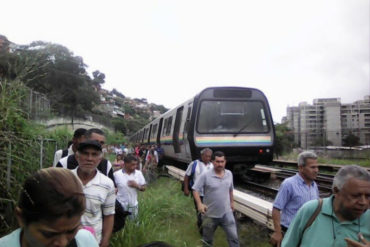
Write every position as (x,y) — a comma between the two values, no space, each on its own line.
(88,200)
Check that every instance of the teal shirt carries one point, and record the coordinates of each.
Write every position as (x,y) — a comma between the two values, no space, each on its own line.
(83,238)
(325,227)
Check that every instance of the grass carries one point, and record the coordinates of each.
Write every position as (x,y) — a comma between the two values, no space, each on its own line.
(165,214)
(323,160)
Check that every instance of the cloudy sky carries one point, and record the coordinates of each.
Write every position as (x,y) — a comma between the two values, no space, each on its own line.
(168,51)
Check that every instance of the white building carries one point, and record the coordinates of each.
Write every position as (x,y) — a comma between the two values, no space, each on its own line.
(327,122)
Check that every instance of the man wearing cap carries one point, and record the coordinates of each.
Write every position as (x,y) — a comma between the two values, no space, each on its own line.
(104,166)
(98,189)
(78,137)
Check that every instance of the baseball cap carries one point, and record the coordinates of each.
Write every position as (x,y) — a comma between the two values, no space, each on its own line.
(89,143)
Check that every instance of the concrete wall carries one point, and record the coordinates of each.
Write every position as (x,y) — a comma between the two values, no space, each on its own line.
(67,122)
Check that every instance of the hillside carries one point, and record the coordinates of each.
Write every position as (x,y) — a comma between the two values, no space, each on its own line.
(53,71)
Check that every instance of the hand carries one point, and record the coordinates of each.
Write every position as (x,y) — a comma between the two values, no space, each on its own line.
(133,184)
(232,206)
(202,208)
(104,243)
(363,243)
(276,238)
(186,191)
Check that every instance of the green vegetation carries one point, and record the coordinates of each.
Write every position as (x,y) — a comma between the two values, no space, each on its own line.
(284,139)
(360,162)
(322,160)
(165,214)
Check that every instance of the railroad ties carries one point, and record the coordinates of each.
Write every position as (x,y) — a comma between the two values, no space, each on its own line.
(251,206)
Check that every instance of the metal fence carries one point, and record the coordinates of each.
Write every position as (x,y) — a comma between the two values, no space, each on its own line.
(19,159)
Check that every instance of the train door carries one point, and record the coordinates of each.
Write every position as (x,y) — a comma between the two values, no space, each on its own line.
(176,130)
(185,132)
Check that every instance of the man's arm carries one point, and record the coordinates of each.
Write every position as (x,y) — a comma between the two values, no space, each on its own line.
(108,221)
(277,236)
(231,199)
(201,207)
(57,156)
(186,185)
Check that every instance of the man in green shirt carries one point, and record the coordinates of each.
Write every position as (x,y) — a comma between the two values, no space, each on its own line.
(343,215)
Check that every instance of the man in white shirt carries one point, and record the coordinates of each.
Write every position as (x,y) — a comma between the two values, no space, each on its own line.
(193,172)
(78,137)
(129,181)
(98,189)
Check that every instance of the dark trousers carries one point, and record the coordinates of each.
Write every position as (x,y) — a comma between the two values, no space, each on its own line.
(283,229)
(199,215)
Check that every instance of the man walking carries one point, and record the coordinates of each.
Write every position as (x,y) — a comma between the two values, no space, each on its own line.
(104,166)
(98,189)
(342,217)
(193,172)
(218,204)
(293,193)
(78,137)
(129,181)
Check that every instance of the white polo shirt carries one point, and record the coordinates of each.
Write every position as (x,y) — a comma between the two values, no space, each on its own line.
(100,200)
(199,170)
(127,195)
(58,155)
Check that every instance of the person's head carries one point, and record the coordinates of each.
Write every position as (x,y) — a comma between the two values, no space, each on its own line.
(119,157)
(89,154)
(50,207)
(96,135)
(351,189)
(219,161)
(131,163)
(78,137)
(206,155)
(307,165)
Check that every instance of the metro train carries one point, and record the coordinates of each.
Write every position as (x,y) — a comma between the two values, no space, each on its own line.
(235,120)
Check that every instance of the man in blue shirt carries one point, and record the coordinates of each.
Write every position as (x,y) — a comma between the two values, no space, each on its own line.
(293,193)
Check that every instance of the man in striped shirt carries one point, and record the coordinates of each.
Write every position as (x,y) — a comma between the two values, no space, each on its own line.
(98,189)
(293,193)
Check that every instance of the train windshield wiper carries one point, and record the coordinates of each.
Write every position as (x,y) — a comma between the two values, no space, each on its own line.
(239,131)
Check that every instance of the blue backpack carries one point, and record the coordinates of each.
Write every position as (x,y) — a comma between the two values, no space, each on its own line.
(191,177)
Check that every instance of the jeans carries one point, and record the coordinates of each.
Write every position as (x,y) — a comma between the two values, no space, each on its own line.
(228,224)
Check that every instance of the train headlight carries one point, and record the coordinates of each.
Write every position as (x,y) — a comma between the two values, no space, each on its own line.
(267,150)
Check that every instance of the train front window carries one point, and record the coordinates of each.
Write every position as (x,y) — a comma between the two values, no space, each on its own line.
(232,117)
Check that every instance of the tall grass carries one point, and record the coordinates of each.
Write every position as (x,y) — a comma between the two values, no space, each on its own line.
(165,214)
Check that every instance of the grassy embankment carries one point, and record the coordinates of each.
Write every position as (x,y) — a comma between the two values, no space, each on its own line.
(165,214)
(323,160)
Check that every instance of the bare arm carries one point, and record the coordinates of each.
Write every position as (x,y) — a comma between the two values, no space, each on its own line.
(231,199)
(277,236)
(108,221)
(201,207)
(186,187)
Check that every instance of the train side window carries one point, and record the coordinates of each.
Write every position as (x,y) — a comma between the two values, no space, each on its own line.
(168,130)
(165,127)
(187,119)
(154,131)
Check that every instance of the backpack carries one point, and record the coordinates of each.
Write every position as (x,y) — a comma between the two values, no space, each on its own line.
(65,153)
(191,177)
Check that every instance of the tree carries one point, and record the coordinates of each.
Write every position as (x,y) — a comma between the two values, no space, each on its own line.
(284,139)
(53,70)
(98,78)
(351,140)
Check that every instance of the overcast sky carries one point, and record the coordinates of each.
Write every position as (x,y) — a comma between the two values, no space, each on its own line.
(168,51)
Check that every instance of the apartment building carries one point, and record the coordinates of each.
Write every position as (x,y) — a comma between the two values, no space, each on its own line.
(327,121)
